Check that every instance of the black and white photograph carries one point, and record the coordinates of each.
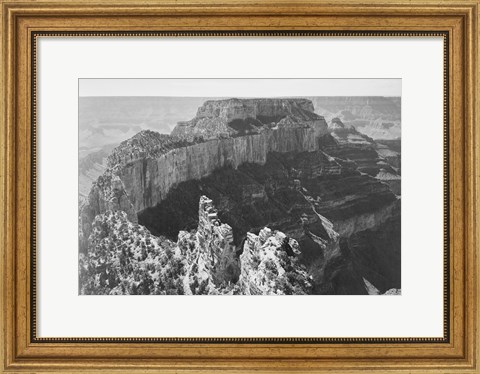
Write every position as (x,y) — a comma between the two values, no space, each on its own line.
(185,193)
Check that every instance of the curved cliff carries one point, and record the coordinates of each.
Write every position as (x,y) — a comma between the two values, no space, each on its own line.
(147,166)
(150,164)
(148,180)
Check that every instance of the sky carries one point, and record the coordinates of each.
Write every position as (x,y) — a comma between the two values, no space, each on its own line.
(239,87)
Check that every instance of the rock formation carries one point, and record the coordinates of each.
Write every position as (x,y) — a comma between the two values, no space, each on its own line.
(90,167)
(211,247)
(150,164)
(371,157)
(327,190)
(107,194)
(269,266)
(233,117)
(125,258)
(311,197)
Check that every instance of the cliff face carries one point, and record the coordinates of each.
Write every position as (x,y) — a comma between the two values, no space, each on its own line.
(370,157)
(311,197)
(147,181)
(90,167)
(150,164)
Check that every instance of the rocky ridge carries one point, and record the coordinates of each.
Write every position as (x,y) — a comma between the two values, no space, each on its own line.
(125,258)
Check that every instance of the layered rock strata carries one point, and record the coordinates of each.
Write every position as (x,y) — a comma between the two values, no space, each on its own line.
(310,197)
(232,117)
(149,164)
(148,180)
(277,164)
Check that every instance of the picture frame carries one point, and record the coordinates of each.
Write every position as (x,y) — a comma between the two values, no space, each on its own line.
(23,22)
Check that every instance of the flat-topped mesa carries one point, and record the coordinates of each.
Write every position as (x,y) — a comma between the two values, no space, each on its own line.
(265,110)
(237,117)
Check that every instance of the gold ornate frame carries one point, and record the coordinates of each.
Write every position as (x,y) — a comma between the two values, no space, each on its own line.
(24,21)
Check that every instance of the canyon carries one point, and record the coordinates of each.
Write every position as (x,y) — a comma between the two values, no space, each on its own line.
(375,116)
(320,194)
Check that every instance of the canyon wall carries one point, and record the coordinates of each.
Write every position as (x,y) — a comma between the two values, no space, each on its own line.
(375,116)
(143,169)
(365,107)
(266,163)
(147,181)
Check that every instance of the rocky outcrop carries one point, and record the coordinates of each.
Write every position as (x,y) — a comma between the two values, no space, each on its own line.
(266,264)
(124,258)
(393,291)
(107,194)
(210,250)
(269,266)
